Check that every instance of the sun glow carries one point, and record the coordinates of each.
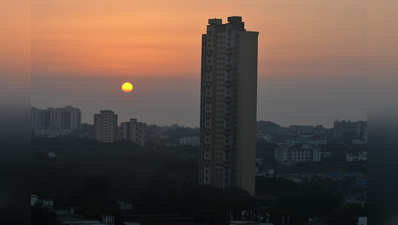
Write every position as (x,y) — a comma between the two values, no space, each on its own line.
(127,87)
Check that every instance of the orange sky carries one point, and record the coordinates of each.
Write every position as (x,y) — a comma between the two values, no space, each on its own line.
(162,38)
(311,62)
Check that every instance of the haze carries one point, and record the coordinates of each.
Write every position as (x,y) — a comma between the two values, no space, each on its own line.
(312,58)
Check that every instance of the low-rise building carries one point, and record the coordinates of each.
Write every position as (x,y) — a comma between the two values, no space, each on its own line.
(344,127)
(266,137)
(287,155)
(305,139)
(359,142)
(194,141)
(349,157)
(159,136)
(301,129)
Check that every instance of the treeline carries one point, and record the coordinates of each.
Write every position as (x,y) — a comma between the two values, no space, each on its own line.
(127,164)
(94,176)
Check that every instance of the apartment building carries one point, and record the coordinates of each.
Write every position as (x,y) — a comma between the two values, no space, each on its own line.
(228,105)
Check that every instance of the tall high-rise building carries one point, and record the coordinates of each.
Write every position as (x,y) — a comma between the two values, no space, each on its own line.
(228,105)
(105,126)
(134,131)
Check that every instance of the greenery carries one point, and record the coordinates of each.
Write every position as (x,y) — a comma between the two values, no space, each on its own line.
(42,216)
(347,214)
(267,127)
(160,179)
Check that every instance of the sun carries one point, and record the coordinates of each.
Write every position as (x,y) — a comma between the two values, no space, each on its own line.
(127,87)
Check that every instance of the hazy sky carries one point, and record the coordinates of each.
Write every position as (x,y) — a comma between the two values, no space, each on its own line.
(311,62)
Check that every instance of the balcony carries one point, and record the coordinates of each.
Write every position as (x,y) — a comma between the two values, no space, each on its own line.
(208,84)
(209,52)
(209,68)
(227,115)
(228,51)
(228,99)
(228,67)
(228,83)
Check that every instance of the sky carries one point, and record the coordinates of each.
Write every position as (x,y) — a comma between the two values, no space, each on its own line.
(312,58)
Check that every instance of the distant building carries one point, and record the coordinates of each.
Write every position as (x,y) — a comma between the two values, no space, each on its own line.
(305,139)
(194,141)
(125,205)
(364,126)
(307,153)
(343,127)
(134,131)
(356,157)
(48,132)
(283,130)
(159,136)
(67,118)
(33,198)
(351,157)
(301,129)
(171,127)
(105,126)
(358,142)
(265,137)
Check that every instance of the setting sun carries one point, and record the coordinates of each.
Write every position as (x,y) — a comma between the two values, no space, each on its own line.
(127,87)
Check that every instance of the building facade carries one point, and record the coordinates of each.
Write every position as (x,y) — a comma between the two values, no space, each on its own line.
(105,126)
(228,105)
(305,139)
(134,131)
(346,126)
(194,141)
(67,118)
(307,153)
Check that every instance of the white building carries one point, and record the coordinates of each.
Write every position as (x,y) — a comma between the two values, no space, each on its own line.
(286,155)
(194,141)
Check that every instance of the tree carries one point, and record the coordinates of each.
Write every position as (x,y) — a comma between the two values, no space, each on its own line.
(347,214)
(42,216)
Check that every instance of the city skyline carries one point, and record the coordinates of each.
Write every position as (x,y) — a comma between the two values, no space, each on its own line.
(312,59)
